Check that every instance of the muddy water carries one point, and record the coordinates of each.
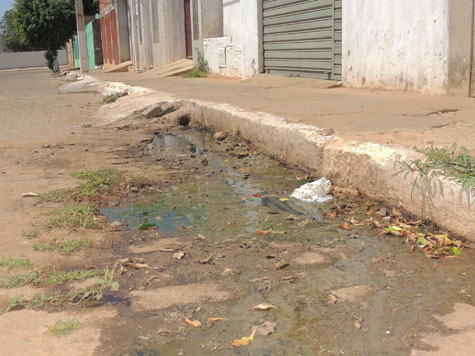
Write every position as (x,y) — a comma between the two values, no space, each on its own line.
(384,298)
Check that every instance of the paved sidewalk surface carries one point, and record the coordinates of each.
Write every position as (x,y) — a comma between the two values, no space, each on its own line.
(364,115)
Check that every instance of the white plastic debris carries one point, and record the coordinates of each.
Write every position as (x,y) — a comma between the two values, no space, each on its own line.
(314,192)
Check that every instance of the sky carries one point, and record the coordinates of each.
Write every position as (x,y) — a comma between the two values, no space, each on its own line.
(5,5)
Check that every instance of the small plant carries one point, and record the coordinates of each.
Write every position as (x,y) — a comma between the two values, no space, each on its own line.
(108,283)
(112,98)
(65,277)
(64,328)
(15,303)
(97,182)
(54,196)
(77,244)
(33,234)
(21,280)
(13,263)
(444,162)
(73,217)
(45,246)
(200,70)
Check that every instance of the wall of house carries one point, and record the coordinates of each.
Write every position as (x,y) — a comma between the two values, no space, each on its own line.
(171,45)
(401,44)
(239,41)
(16,60)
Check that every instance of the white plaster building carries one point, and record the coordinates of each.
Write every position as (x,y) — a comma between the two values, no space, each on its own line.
(424,45)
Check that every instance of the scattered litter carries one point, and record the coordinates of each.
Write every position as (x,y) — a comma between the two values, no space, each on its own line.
(116,223)
(314,192)
(244,341)
(195,323)
(212,320)
(166,250)
(137,263)
(281,265)
(30,195)
(264,306)
(207,260)
(289,279)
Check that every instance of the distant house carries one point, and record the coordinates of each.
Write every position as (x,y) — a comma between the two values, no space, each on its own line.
(424,45)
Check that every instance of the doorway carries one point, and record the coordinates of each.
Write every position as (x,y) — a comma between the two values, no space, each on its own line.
(189,44)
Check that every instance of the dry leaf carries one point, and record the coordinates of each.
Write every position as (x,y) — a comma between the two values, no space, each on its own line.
(262,232)
(345,226)
(212,320)
(195,323)
(281,265)
(264,306)
(256,195)
(356,223)
(179,255)
(244,341)
(166,250)
(284,199)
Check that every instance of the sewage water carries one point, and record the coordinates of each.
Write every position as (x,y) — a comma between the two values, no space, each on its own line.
(386,296)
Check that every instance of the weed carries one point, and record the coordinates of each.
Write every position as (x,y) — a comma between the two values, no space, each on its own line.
(73,217)
(97,182)
(444,162)
(108,283)
(54,196)
(65,277)
(112,98)
(64,328)
(21,280)
(139,182)
(12,263)
(33,234)
(15,303)
(200,70)
(45,246)
(77,244)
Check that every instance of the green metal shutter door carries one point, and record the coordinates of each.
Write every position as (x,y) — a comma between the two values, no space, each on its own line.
(303,37)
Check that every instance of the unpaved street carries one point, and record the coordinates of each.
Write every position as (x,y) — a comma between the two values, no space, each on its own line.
(151,238)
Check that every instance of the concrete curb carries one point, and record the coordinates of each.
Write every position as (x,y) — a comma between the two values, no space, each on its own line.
(368,167)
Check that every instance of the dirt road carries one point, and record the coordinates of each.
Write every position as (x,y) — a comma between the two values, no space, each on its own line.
(152,239)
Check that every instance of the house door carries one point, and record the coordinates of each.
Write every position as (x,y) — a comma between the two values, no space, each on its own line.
(189,45)
(303,38)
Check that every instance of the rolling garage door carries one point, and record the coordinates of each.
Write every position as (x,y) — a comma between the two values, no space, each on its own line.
(303,38)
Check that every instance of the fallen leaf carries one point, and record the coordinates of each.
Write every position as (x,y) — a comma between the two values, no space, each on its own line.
(345,226)
(212,320)
(304,223)
(289,278)
(166,250)
(422,241)
(284,199)
(456,251)
(244,341)
(356,223)
(358,324)
(281,265)
(256,195)
(195,323)
(259,279)
(262,232)
(292,217)
(277,232)
(264,306)
(208,260)
(179,255)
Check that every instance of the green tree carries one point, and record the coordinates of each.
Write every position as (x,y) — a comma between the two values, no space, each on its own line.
(48,24)
(11,42)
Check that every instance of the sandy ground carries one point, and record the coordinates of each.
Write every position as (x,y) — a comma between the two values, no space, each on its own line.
(365,115)
(43,140)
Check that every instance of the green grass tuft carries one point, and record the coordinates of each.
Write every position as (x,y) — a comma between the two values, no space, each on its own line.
(66,277)
(13,263)
(33,234)
(73,217)
(21,280)
(200,70)
(64,328)
(445,162)
(77,244)
(112,98)
(97,182)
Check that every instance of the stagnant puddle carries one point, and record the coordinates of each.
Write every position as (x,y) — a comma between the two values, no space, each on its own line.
(343,292)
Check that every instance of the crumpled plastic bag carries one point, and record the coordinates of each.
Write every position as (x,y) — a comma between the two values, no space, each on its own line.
(314,192)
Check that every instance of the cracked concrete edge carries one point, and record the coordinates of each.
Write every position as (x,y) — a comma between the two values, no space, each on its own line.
(369,167)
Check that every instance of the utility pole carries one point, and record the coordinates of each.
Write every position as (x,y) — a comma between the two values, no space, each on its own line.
(82,37)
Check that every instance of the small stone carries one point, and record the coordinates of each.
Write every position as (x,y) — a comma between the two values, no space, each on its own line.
(382,212)
(331,299)
(30,195)
(242,154)
(358,324)
(87,124)
(266,328)
(152,111)
(116,223)
(62,171)
(220,136)
(179,255)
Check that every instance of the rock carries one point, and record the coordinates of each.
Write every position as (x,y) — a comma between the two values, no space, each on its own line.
(382,212)
(242,154)
(87,124)
(179,255)
(180,117)
(220,136)
(62,171)
(30,195)
(116,223)
(265,328)
(152,111)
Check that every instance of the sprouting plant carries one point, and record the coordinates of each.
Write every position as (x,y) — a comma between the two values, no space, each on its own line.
(13,263)
(64,328)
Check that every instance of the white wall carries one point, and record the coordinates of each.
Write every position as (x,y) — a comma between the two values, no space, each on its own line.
(28,59)
(399,44)
(240,41)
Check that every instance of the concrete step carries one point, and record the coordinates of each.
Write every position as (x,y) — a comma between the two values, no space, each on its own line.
(172,69)
(122,67)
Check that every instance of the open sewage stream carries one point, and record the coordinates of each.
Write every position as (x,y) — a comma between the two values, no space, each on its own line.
(233,240)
